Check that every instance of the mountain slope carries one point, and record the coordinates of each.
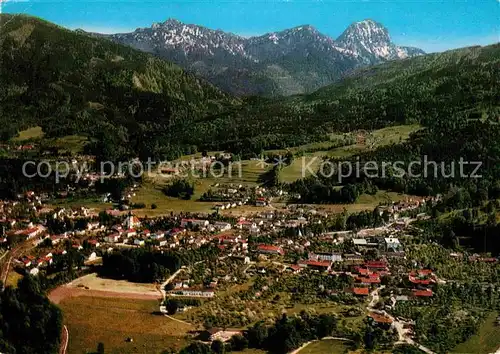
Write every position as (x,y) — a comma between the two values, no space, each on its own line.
(419,90)
(130,102)
(71,83)
(292,61)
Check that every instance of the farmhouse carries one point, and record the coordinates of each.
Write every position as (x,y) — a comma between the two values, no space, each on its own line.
(113,238)
(381,320)
(270,249)
(194,222)
(31,232)
(332,257)
(222,226)
(192,292)
(261,202)
(391,244)
(360,291)
(422,293)
(317,265)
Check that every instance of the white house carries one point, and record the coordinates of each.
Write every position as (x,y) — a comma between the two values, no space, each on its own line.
(222,226)
(194,222)
(130,233)
(138,242)
(112,238)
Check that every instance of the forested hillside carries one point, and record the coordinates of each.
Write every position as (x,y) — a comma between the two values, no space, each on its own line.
(29,323)
(70,83)
(419,90)
(132,104)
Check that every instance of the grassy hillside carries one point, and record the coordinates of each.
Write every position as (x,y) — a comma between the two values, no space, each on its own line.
(69,83)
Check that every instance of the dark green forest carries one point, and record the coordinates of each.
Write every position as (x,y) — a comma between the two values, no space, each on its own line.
(29,323)
(132,104)
(70,83)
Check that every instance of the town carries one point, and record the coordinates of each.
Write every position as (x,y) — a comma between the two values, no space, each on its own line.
(286,259)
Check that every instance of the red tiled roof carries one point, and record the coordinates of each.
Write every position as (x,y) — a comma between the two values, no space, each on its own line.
(363,271)
(426,293)
(361,291)
(27,231)
(269,248)
(318,263)
(376,264)
(369,280)
(380,318)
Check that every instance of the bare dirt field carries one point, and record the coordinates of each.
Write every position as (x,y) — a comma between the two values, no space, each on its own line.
(93,286)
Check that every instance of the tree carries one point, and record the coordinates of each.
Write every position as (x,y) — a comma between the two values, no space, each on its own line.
(196,348)
(100,348)
(218,347)
(172,306)
(180,188)
(238,342)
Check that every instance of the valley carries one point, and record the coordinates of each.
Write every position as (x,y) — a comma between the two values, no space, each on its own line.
(308,195)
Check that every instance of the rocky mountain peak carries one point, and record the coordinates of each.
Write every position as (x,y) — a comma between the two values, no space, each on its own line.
(295,60)
(371,41)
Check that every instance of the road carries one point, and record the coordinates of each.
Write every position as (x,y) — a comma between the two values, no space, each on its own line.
(14,253)
(64,341)
(4,273)
(166,282)
(398,325)
(296,351)
(3,255)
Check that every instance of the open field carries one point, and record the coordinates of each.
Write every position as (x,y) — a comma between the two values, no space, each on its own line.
(151,193)
(92,203)
(29,134)
(376,139)
(93,286)
(91,320)
(93,282)
(487,340)
(151,190)
(293,172)
(12,278)
(73,144)
(314,153)
(326,346)
(253,351)
(364,202)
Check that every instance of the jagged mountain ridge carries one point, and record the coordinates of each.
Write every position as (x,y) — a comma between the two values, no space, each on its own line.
(293,61)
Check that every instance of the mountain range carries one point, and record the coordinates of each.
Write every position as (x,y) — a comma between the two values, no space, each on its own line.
(293,61)
(128,103)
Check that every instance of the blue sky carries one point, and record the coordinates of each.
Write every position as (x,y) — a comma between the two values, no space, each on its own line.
(433,25)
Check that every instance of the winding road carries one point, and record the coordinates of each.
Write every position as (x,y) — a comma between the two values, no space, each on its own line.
(64,341)
(296,351)
(398,325)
